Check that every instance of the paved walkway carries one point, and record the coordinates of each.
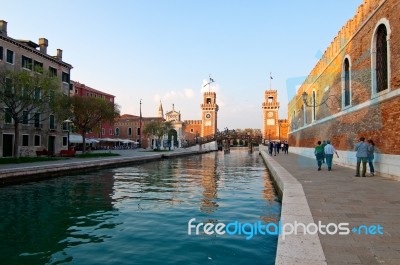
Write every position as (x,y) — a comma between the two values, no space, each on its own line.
(337,196)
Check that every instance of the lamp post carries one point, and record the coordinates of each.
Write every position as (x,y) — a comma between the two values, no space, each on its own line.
(140,125)
(323,102)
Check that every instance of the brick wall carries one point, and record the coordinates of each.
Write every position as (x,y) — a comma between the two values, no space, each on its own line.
(374,116)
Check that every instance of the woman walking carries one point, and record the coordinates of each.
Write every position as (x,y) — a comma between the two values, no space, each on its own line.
(371,151)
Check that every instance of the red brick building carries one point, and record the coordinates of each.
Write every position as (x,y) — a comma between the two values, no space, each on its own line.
(353,90)
(105,130)
(128,127)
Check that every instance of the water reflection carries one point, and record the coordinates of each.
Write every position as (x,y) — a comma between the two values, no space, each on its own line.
(209,182)
(36,223)
(139,214)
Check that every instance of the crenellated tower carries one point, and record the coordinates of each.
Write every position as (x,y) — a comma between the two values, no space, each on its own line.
(270,108)
(209,110)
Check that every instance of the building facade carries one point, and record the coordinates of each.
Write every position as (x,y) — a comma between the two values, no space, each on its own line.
(130,126)
(24,55)
(177,133)
(274,129)
(104,130)
(353,90)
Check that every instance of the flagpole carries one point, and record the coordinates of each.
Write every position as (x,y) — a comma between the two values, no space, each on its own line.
(270,82)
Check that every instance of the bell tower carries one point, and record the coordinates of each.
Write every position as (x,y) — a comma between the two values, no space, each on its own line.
(270,108)
(209,110)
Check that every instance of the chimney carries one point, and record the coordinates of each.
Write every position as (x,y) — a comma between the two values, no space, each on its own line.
(3,28)
(43,43)
(59,54)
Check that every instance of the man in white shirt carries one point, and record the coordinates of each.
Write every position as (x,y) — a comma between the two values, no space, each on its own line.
(329,150)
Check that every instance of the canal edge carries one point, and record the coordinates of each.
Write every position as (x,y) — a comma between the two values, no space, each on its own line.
(53,170)
(294,249)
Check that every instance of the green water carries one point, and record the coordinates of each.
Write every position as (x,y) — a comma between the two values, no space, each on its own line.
(140,214)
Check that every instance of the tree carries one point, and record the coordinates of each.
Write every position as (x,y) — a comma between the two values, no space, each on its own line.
(86,113)
(157,128)
(27,97)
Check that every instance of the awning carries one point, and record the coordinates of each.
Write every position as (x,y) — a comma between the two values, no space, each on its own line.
(77,139)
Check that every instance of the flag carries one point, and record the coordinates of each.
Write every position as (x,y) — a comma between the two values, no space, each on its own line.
(270,75)
(211,80)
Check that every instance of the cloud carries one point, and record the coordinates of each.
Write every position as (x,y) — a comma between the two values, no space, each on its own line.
(186,93)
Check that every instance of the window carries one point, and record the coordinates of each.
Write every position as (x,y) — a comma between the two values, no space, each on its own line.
(208,101)
(65,77)
(129,131)
(38,66)
(110,131)
(37,120)
(65,141)
(65,126)
(25,140)
(52,71)
(37,140)
(37,93)
(138,131)
(270,99)
(381,59)
(26,62)
(1,53)
(10,57)
(7,116)
(117,131)
(9,87)
(346,91)
(103,131)
(25,117)
(192,130)
(52,123)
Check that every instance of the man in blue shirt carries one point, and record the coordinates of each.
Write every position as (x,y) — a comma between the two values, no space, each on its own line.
(362,156)
(329,150)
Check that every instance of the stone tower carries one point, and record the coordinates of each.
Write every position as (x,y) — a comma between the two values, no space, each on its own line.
(270,109)
(209,110)
(160,111)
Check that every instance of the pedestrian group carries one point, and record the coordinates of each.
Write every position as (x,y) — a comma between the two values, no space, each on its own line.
(324,152)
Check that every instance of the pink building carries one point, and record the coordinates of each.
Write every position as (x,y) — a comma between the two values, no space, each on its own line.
(106,130)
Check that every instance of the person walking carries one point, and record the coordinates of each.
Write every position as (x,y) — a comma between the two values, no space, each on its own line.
(362,157)
(371,151)
(270,147)
(286,147)
(329,150)
(276,148)
(319,154)
(323,147)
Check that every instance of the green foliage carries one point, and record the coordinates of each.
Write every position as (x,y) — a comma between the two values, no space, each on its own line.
(24,93)
(240,142)
(86,113)
(235,142)
(157,128)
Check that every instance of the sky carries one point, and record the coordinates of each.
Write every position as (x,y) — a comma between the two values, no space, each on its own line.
(154,50)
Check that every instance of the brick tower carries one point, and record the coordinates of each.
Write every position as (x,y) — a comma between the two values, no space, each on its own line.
(270,109)
(209,110)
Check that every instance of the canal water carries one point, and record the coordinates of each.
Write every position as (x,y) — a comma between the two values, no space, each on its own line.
(140,214)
